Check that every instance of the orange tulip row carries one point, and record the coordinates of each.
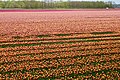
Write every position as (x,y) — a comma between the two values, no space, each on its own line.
(76,69)
(61,45)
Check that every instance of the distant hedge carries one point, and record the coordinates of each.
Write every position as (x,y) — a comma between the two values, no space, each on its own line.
(32,4)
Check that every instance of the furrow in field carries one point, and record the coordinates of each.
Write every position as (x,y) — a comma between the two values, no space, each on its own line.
(52,46)
(57,50)
(14,44)
(59,38)
(72,54)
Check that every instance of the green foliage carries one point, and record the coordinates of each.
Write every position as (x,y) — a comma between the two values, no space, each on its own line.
(108,32)
(32,4)
(2,4)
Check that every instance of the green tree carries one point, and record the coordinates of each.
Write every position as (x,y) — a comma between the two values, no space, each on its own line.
(33,4)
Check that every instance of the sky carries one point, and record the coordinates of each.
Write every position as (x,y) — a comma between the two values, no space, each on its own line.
(116,1)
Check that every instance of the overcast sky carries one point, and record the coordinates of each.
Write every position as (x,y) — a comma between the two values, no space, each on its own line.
(116,1)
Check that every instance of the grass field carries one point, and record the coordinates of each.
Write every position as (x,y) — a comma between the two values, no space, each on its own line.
(64,45)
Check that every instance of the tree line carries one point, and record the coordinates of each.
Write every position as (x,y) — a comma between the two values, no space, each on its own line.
(33,4)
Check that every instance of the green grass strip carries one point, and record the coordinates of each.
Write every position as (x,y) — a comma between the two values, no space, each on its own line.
(109,32)
(41,36)
(72,46)
(70,42)
(73,38)
(16,37)
(62,34)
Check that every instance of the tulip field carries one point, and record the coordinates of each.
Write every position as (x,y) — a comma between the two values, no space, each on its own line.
(63,45)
